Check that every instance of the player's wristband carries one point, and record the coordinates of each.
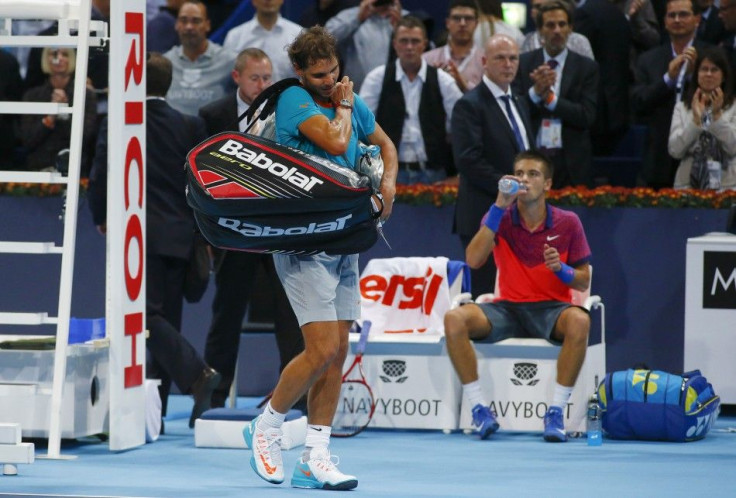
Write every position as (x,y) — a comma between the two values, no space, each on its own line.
(493,220)
(566,273)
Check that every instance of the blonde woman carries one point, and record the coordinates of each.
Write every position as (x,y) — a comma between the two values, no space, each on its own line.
(490,22)
(44,136)
(703,131)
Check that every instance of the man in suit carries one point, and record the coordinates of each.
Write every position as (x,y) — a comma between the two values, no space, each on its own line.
(169,237)
(490,125)
(727,14)
(562,88)
(711,29)
(236,271)
(610,36)
(661,76)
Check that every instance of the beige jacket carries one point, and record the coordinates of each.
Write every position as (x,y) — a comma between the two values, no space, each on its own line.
(684,135)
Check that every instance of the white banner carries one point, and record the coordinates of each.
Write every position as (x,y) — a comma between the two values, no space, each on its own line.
(126,224)
(405,296)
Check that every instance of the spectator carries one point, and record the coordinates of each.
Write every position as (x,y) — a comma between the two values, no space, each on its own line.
(610,37)
(490,125)
(644,26)
(727,14)
(533,40)
(662,74)
(322,10)
(703,132)
(325,118)
(364,36)
(536,277)
(490,22)
(169,237)
(562,115)
(201,67)
(268,31)
(461,57)
(161,35)
(43,138)
(413,103)
(235,275)
(11,89)
(711,29)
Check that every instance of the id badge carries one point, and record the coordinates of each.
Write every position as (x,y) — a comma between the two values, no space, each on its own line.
(551,134)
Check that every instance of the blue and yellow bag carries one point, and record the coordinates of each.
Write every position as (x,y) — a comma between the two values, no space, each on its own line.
(658,406)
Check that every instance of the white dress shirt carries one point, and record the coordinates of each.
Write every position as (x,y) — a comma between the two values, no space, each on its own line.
(273,42)
(497,94)
(411,148)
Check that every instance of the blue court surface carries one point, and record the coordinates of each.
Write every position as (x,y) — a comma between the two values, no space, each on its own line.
(395,463)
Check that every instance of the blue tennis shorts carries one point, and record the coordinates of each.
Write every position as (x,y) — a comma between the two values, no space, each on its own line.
(320,288)
(535,320)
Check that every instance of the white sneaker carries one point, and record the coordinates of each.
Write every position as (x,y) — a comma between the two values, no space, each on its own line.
(266,446)
(321,472)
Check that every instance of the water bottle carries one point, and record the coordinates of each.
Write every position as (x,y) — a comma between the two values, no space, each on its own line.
(593,421)
(508,186)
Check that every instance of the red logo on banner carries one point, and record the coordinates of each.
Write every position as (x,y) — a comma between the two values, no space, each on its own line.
(134,25)
(404,292)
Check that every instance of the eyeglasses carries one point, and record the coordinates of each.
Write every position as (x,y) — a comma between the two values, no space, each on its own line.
(458,18)
(683,14)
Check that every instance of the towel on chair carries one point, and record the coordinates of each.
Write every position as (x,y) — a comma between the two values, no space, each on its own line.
(408,295)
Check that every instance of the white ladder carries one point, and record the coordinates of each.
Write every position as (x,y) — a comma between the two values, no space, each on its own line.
(71,15)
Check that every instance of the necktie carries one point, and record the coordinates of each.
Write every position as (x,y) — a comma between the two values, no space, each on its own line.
(552,64)
(514,125)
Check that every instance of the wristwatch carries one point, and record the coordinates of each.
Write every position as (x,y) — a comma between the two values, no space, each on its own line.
(346,103)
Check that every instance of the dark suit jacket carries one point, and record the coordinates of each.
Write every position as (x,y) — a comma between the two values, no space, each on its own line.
(170,135)
(610,37)
(653,103)
(221,114)
(576,108)
(484,148)
(711,30)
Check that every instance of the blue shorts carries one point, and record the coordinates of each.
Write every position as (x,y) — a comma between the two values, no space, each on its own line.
(535,320)
(320,288)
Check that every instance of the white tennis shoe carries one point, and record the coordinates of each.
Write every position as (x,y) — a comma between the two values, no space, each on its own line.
(266,446)
(320,472)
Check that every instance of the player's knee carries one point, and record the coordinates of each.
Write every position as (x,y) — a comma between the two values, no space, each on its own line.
(577,327)
(455,326)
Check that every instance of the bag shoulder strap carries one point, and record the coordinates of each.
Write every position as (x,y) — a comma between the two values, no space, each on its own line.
(270,96)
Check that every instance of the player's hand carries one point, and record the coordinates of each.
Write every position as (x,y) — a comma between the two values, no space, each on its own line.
(505,200)
(552,258)
(343,90)
(389,193)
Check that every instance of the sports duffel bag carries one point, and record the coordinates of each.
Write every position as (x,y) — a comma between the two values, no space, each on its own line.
(249,193)
(658,406)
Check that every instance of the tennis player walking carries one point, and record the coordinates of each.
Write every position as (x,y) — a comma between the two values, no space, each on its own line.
(324,117)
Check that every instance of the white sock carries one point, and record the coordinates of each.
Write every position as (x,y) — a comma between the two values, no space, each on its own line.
(561,396)
(474,394)
(270,418)
(318,436)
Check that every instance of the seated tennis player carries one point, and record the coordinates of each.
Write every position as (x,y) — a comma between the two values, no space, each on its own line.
(541,254)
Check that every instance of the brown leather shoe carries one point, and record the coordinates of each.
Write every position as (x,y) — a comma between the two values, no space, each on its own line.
(202,392)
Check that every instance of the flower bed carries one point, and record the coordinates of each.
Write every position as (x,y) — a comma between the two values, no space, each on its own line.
(444,195)
(605,196)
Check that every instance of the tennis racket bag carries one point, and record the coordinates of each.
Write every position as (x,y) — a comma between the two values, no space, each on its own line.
(658,406)
(252,194)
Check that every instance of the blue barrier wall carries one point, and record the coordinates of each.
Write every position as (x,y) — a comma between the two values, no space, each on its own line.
(638,256)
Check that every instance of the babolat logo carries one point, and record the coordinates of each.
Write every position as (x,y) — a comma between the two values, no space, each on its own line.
(719,279)
(394,369)
(236,149)
(251,230)
(525,372)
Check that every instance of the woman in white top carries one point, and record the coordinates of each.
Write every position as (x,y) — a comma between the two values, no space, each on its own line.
(703,131)
(490,22)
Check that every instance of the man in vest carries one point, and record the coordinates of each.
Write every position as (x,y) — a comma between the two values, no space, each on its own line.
(413,103)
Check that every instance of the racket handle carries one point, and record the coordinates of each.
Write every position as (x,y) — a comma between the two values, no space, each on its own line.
(364,332)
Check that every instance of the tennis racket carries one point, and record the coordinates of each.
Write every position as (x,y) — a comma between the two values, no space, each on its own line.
(356,403)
